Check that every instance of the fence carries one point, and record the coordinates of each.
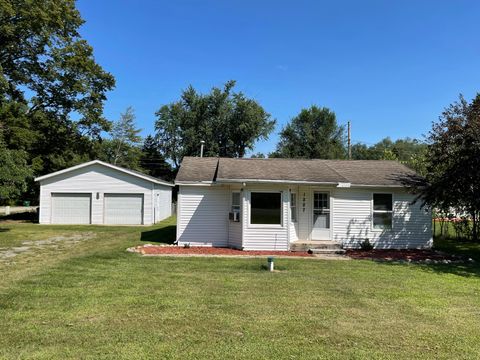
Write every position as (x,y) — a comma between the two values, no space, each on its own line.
(7,210)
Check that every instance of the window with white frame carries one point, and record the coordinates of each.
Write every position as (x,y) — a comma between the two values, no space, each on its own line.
(266,208)
(382,211)
(293,207)
(236,202)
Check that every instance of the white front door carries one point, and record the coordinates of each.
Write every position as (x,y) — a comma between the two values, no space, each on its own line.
(321,216)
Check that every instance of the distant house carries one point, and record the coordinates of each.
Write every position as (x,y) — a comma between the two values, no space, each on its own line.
(273,204)
(100,193)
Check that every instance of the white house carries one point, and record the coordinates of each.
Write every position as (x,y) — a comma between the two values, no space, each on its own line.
(273,204)
(100,193)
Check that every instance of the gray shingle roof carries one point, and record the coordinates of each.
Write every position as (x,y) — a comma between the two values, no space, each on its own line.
(356,172)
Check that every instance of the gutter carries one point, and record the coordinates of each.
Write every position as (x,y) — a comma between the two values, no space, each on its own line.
(292,182)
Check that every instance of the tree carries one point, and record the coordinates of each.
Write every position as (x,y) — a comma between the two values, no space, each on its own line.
(258,155)
(312,134)
(14,172)
(123,147)
(452,165)
(411,152)
(228,122)
(43,52)
(48,73)
(153,161)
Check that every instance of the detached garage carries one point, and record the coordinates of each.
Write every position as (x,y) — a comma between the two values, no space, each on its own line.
(100,193)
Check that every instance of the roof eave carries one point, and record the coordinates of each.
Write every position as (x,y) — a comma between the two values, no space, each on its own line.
(266,181)
(93,162)
(194,183)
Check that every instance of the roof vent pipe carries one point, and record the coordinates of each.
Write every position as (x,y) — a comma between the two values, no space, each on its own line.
(202,142)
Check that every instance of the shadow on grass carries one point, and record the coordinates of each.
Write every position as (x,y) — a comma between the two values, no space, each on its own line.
(460,269)
(4,229)
(22,217)
(463,248)
(164,235)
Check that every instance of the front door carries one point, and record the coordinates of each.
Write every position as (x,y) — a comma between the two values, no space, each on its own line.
(321,216)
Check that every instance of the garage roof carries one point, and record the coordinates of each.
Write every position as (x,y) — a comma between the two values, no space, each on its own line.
(335,172)
(98,162)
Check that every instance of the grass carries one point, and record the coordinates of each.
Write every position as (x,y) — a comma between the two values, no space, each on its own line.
(449,243)
(93,300)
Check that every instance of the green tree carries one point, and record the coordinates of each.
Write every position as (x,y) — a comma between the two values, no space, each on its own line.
(43,52)
(123,147)
(48,73)
(258,155)
(14,172)
(312,134)
(228,122)
(153,161)
(452,162)
(409,151)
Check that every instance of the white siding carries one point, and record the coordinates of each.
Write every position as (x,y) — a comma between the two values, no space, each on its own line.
(235,228)
(203,216)
(352,220)
(203,219)
(95,179)
(235,235)
(163,202)
(265,237)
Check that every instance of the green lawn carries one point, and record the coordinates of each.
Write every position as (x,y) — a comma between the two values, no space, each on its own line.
(88,298)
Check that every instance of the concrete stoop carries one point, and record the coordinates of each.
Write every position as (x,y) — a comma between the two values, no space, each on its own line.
(318,247)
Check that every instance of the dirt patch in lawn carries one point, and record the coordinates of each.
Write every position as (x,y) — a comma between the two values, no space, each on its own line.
(55,242)
(419,256)
(199,250)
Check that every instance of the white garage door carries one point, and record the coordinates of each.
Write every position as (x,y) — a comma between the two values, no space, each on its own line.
(124,209)
(71,208)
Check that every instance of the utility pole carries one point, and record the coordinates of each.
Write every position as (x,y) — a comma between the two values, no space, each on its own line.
(349,143)
(201,147)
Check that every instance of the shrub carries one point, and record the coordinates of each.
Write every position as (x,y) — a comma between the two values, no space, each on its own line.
(366,245)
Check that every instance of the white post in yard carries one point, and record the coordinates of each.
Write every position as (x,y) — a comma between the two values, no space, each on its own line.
(201,147)
(270,263)
(7,210)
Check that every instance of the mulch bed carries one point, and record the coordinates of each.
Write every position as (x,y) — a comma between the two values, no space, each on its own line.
(415,256)
(199,250)
(405,255)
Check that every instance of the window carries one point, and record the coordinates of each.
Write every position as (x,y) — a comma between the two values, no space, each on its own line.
(236,202)
(265,208)
(293,207)
(382,211)
(321,210)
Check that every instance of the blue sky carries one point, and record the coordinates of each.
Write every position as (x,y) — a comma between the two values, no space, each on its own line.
(389,67)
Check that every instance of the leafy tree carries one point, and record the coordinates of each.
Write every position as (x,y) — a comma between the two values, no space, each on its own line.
(47,74)
(228,122)
(14,172)
(43,52)
(153,161)
(123,147)
(258,155)
(313,133)
(411,152)
(452,163)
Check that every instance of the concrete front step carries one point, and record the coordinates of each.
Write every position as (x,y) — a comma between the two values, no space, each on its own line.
(328,246)
(327,251)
